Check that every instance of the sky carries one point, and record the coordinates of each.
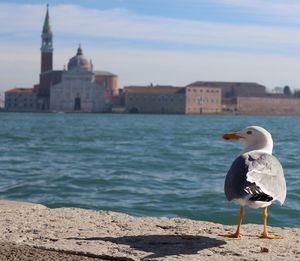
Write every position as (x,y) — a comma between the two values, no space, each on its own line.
(166,42)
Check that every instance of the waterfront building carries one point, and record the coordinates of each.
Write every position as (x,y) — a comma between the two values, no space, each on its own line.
(79,87)
(158,99)
(78,90)
(268,105)
(248,98)
(234,89)
(20,99)
(170,99)
(203,99)
(110,82)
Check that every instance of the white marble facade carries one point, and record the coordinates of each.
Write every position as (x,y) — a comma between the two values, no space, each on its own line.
(78,91)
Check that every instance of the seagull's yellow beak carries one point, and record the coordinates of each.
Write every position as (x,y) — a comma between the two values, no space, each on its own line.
(231,136)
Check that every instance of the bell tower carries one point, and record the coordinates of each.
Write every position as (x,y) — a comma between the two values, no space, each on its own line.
(46,48)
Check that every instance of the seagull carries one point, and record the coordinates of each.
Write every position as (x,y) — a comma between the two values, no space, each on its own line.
(256,177)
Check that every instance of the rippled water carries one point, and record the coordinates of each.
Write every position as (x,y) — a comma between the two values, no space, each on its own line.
(143,165)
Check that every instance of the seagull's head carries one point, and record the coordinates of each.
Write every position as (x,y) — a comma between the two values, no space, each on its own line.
(253,138)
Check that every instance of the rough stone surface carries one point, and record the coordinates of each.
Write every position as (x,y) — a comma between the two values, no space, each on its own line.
(35,232)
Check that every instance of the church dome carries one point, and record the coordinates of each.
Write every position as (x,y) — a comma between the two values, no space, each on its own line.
(79,61)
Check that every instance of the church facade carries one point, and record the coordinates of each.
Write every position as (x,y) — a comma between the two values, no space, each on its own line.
(78,88)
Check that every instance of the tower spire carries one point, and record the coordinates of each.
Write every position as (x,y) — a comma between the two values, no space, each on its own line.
(47,26)
(47,47)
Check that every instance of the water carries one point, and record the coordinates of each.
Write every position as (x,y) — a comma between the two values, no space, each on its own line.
(143,165)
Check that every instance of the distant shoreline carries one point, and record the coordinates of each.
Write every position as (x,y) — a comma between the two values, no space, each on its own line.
(164,114)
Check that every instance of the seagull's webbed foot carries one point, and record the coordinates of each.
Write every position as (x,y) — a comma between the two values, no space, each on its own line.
(237,233)
(268,236)
(265,233)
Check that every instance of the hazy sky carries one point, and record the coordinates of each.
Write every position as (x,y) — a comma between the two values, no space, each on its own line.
(157,41)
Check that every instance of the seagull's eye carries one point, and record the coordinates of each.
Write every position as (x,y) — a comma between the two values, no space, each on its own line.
(249,132)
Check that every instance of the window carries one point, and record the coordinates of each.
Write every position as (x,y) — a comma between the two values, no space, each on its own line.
(200,100)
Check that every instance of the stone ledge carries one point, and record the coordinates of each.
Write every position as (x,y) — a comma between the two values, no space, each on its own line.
(103,235)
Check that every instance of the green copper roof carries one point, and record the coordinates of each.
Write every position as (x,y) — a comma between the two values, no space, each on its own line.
(47,26)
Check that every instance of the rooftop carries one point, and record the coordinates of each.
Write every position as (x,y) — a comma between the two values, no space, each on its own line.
(233,89)
(104,73)
(154,89)
(20,90)
(224,84)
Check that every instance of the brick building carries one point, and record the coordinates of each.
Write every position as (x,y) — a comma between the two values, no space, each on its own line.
(20,99)
(268,105)
(158,99)
(110,82)
(253,99)
(200,99)
(172,100)
(234,89)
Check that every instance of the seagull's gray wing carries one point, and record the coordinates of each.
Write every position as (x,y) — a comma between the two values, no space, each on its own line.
(256,176)
(266,172)
(236,179)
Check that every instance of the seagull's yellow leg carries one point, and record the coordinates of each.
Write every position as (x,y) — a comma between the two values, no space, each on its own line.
(265,234)
(237,232)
